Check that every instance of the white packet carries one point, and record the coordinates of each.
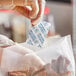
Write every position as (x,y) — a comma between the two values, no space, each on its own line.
(38,33)
(60,55)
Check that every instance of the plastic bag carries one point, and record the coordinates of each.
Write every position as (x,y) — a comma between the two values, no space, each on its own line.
(24,65)
(34,48)
(57,58)
(18,58)
(58,52)
(60,55)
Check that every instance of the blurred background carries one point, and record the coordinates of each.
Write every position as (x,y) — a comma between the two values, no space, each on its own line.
(62,12)
(58,12)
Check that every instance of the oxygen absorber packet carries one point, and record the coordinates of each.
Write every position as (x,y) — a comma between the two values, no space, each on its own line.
(38,33)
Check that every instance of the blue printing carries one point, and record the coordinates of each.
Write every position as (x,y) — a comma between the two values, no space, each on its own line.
(30,42)
(42,28)
(36,30)
(41,38)
(32,35)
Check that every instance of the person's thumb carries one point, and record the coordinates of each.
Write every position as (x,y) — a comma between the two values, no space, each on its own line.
(66,74)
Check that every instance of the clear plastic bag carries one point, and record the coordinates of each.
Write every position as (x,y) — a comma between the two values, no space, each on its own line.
(18,58)
(53,60)
(59,54)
